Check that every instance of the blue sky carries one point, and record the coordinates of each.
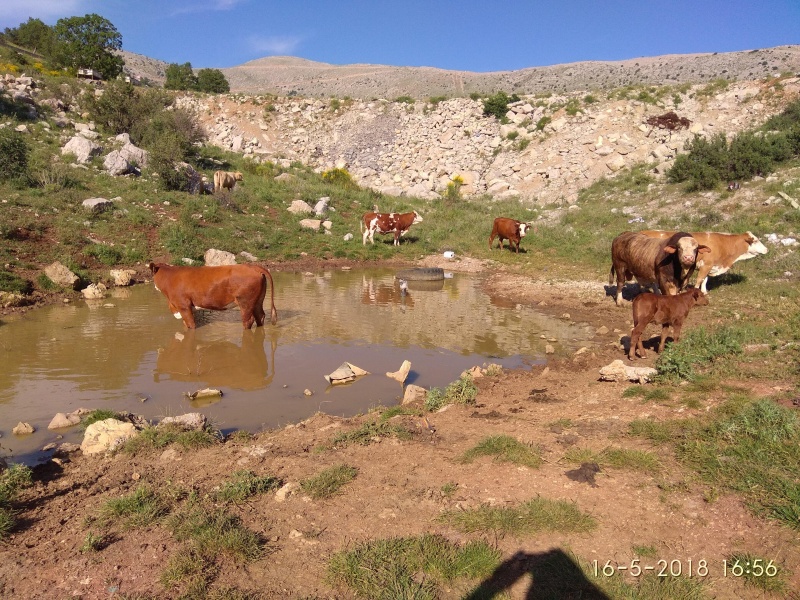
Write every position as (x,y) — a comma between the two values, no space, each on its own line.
(470,35)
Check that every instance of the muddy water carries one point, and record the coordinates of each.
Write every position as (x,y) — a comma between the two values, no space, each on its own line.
(129,353)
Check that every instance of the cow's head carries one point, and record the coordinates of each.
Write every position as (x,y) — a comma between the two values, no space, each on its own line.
(153,267)
(755,245)
(417,218)
(686,248)
(700,298)
(237,176)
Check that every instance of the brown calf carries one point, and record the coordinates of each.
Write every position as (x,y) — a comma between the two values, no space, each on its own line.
(508,229)
(665,311)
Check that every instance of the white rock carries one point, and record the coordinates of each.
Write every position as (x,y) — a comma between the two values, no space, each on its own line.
(106,435)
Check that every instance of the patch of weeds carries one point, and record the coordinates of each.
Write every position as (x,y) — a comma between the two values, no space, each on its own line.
(241,436)
(413,567)
(107,255)
(562,423)
(534,516)
(659,432)
(757,572)
(46,284)
(158,438)
(505,448)
(700,346)
(368,432)
(645,551)
(216,532)
(12,481)
(99,414)
(10,282)
(634,391)
(449,488)
(659,394)
(328,482)
(244,484)
(190,571)
(141,508)
(396,411)
(93,543)
(461,391)
(617,458)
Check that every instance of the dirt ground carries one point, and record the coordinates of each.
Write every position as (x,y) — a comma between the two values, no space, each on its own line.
(399,487)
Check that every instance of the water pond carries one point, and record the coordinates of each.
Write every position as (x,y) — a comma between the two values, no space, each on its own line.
(128,352)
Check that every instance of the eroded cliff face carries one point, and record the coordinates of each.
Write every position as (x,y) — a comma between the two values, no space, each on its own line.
(550,148)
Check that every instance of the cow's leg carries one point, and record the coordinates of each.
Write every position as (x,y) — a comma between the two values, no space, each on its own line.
(364,237)
(396,237)
(636,339)
(188,317)
(491,239)
(664,332)
(258,307)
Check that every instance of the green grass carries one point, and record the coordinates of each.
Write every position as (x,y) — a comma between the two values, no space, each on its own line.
(379,427)
(214,532)
(414,567)
(698,347)
(535,516)
(504,448)
(158,438)
(751,447)
(328,482)
(617,458)
(757,572)
(141,508)
(243,485)
(12,481)
(461,391)
(100,414)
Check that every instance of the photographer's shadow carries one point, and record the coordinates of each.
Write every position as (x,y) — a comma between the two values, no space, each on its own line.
(552,574)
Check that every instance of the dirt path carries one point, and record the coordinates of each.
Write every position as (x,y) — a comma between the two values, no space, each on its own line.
(400,486)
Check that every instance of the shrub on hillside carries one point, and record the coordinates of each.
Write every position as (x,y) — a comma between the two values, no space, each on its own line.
(340,177)
(497,105)
(702,166)
(13,155)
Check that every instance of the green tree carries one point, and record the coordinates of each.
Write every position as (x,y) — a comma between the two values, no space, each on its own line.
(212,81)
(180,77)
(34,35)
(88,42)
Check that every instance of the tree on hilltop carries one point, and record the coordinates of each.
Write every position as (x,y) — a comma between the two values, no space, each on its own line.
(34,35)
(88,42)
(212,81)
(180,77)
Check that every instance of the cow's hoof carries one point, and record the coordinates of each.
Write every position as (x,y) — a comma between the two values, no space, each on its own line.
(426,274)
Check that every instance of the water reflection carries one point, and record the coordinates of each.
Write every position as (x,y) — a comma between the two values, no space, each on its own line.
(211,357)
(114,353)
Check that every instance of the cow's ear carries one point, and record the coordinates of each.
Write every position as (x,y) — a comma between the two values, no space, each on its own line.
(670,249)
(701,249)
(153,267)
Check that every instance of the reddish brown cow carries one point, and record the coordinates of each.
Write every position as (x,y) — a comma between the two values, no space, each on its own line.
(508,229)
(666,263)
(397,223)
(665,311)
(216,288)
(725,249)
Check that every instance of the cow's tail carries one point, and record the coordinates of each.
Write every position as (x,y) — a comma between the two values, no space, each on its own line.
(361,226)
(273,313)
(612,274)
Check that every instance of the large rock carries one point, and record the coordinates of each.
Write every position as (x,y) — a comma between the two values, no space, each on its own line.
(122,277)
(61,275)
(215,258)
(64,420)
(82,148)
(23,429)
(135,155)
(106,436)
(115,164)
(97,205)
(94,291)
(313,224)
(299,207)
(190,421)
(619,371)
(414,394)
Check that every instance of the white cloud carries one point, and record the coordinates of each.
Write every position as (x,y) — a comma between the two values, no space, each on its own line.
(14,12)
(276,45)
(206,5)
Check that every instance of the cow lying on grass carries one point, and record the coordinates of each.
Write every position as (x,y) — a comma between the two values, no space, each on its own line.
(667,263)
(664,310)
(225,180)
(216,288)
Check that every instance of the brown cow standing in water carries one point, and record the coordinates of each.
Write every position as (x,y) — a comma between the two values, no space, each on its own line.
(216,288)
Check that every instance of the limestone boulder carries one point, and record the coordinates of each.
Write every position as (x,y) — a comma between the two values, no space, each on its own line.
(82,148)
(122,277)
(106,436)
(215,258)
(189,421)
(61,275)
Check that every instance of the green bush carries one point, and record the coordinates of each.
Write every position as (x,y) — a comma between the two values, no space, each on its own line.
(698,347)
(404,100)
(13,155)
(497,105)
(9,282)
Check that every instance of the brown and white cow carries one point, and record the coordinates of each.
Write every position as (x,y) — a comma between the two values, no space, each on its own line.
(397,223)
(667,264)
(665,311)
(216,288)
(725,249)
(225,180)
(508,229)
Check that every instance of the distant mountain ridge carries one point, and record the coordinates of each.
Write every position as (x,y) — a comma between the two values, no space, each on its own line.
(285,75)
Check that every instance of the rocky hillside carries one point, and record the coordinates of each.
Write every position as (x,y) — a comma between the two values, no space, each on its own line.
(284,75)
(552,146)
